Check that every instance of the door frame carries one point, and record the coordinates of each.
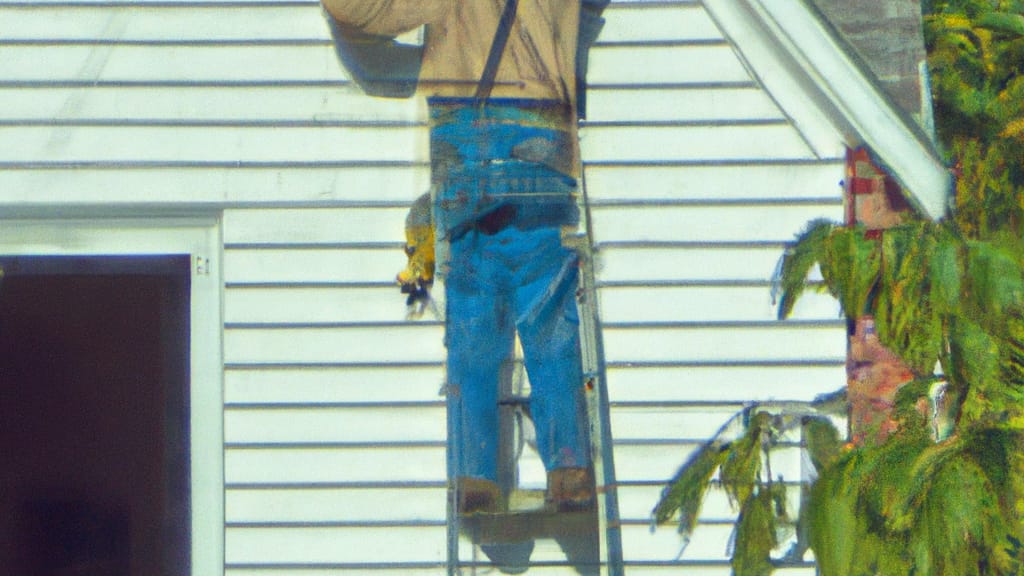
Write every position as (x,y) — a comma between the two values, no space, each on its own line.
(200,238)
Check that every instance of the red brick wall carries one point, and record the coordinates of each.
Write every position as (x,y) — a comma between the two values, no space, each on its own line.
(874,373)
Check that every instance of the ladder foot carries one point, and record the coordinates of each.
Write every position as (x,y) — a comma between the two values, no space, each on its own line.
(509,558)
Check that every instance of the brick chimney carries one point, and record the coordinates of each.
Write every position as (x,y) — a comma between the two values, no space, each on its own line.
(887,36)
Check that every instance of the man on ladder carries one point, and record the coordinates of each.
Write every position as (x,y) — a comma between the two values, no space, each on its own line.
(504,82)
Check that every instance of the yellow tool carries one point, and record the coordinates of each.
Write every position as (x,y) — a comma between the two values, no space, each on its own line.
(418,276)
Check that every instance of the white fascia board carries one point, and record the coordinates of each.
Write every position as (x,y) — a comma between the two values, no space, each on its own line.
(775,71)
(790,50)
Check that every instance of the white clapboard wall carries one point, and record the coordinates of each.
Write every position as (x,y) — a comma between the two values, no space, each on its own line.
(334,429)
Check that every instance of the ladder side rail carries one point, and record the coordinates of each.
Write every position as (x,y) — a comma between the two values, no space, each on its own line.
(596,393)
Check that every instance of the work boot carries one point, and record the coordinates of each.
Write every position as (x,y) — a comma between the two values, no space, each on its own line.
(477,495)
(570,489)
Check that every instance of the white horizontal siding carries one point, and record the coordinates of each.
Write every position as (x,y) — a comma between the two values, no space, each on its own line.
(334,454)
(715,182)
(195,63)
(137,22)
(316,62)
(332,385)
(345,265)
(341,545)
(692,206)
(619,304)
(425,423)
(248,21)
(322,226)
(190,3)
(331,345)
(157,104)
(377,569)
(685,104)
(204,144)
(335,545)
(334,104)
(640,463)
(251,144)
(740,223)
(652,144)
(636,462)
(642,263)
(636,504)
(658,22)
(618,223)
(665,64)
(333,425)
(647,569)
(331,184)
(335,464)
(309,505)
(372,504)
(628,304)
(58,188)
(302,305)
(704,570)
(716,344)
(747,381)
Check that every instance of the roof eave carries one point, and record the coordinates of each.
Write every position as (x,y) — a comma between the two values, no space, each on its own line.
(852,98)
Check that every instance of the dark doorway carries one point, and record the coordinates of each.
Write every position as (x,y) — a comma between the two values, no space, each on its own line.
(94,416)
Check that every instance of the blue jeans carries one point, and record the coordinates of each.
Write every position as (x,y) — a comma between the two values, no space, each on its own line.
(509,154)
(513,281)
(502,193)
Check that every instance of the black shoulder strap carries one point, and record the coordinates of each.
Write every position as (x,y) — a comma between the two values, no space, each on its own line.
(508,16)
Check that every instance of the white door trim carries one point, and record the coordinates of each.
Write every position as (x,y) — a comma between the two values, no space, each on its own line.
(201,239)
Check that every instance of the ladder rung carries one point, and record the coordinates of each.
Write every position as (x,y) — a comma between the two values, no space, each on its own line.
(510,527)
(514,401)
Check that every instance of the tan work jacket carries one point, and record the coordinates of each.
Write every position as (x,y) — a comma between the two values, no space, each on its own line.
(539,61)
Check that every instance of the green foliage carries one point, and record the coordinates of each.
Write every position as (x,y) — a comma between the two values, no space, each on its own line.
(950,292)
(685,492)
(761,503)
(755,532)
(913,507)
(742,465)
(976,55)
(953,293)
(994,284)
(965,531)
(911,324)
(823,441)
(954,511)
(906,507)
(806,252)
(973,369)
(850,268)
(849,265)
(744,468)
(1011,358)
(887,278)
(833,517)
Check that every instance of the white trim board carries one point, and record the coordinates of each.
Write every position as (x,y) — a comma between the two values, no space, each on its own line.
(816,83)
(199,238)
